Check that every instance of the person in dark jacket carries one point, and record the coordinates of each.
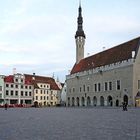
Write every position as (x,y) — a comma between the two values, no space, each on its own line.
(6,106)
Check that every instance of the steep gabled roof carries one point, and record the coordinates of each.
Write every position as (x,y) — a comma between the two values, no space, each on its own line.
(41,79)
(113,55)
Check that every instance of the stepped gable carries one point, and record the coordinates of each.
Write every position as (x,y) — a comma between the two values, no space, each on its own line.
(34,79)
(116,54)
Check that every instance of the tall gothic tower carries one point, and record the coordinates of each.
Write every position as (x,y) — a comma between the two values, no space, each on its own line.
(80,37)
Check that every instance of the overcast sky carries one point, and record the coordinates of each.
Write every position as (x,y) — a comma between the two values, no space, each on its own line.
(38,35)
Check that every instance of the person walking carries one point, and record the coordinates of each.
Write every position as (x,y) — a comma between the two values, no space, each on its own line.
(5,106)
(125,106)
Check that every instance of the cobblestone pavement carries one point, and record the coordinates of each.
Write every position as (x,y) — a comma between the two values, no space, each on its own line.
(69,124)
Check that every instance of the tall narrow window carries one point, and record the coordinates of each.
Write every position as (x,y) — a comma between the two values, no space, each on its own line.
(95,87)
(0,88)
(110,85)
(105,86)
(88,88)
(84,87)
(99,87)
(118,85)
(73,89)
(138,84)
(80,89)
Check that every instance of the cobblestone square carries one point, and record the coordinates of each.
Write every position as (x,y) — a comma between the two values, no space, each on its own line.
(69,124)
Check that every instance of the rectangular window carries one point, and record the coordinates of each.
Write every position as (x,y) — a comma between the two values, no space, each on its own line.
(0,88)
(7,92)
(73,89)
(80,89)
(138,84)
(44,98)
(36,97)
(16,86)
(11,92)
(30,93)
(88,88)
(110,85)
(99,87)
(105,86)
(51,97)
(118,85)
(26,93)
(40,97)
(7,85)
(21,86)
(21,93)
(95,87)
(12,86)
(36,91)
(84,87)
(16,93)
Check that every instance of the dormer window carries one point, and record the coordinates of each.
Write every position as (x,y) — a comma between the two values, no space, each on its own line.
(133,54)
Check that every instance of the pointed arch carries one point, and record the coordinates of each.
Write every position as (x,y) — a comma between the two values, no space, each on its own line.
(102,101)
(109,101)
(88,101)
(73,101)
(95,101)
(83,101)
(77,101)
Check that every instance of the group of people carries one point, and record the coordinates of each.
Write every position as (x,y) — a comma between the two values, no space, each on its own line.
(124,106)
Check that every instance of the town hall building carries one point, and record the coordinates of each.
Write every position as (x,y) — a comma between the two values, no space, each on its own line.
(107,78)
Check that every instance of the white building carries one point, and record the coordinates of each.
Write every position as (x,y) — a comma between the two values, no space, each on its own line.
(104,79)
(18,90)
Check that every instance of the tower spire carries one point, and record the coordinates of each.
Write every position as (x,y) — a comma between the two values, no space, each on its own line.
(80,31)
(80,36)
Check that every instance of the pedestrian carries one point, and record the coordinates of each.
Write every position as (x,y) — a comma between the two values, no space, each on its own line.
(6,106)
(125,106)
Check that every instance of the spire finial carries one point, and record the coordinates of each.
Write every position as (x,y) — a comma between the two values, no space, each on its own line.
(79,3)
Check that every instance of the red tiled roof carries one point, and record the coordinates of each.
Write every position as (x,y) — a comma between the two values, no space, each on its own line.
(9,79)
(116,54)
(42,79)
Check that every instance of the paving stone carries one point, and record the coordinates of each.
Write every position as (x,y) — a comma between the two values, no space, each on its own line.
(69,124)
